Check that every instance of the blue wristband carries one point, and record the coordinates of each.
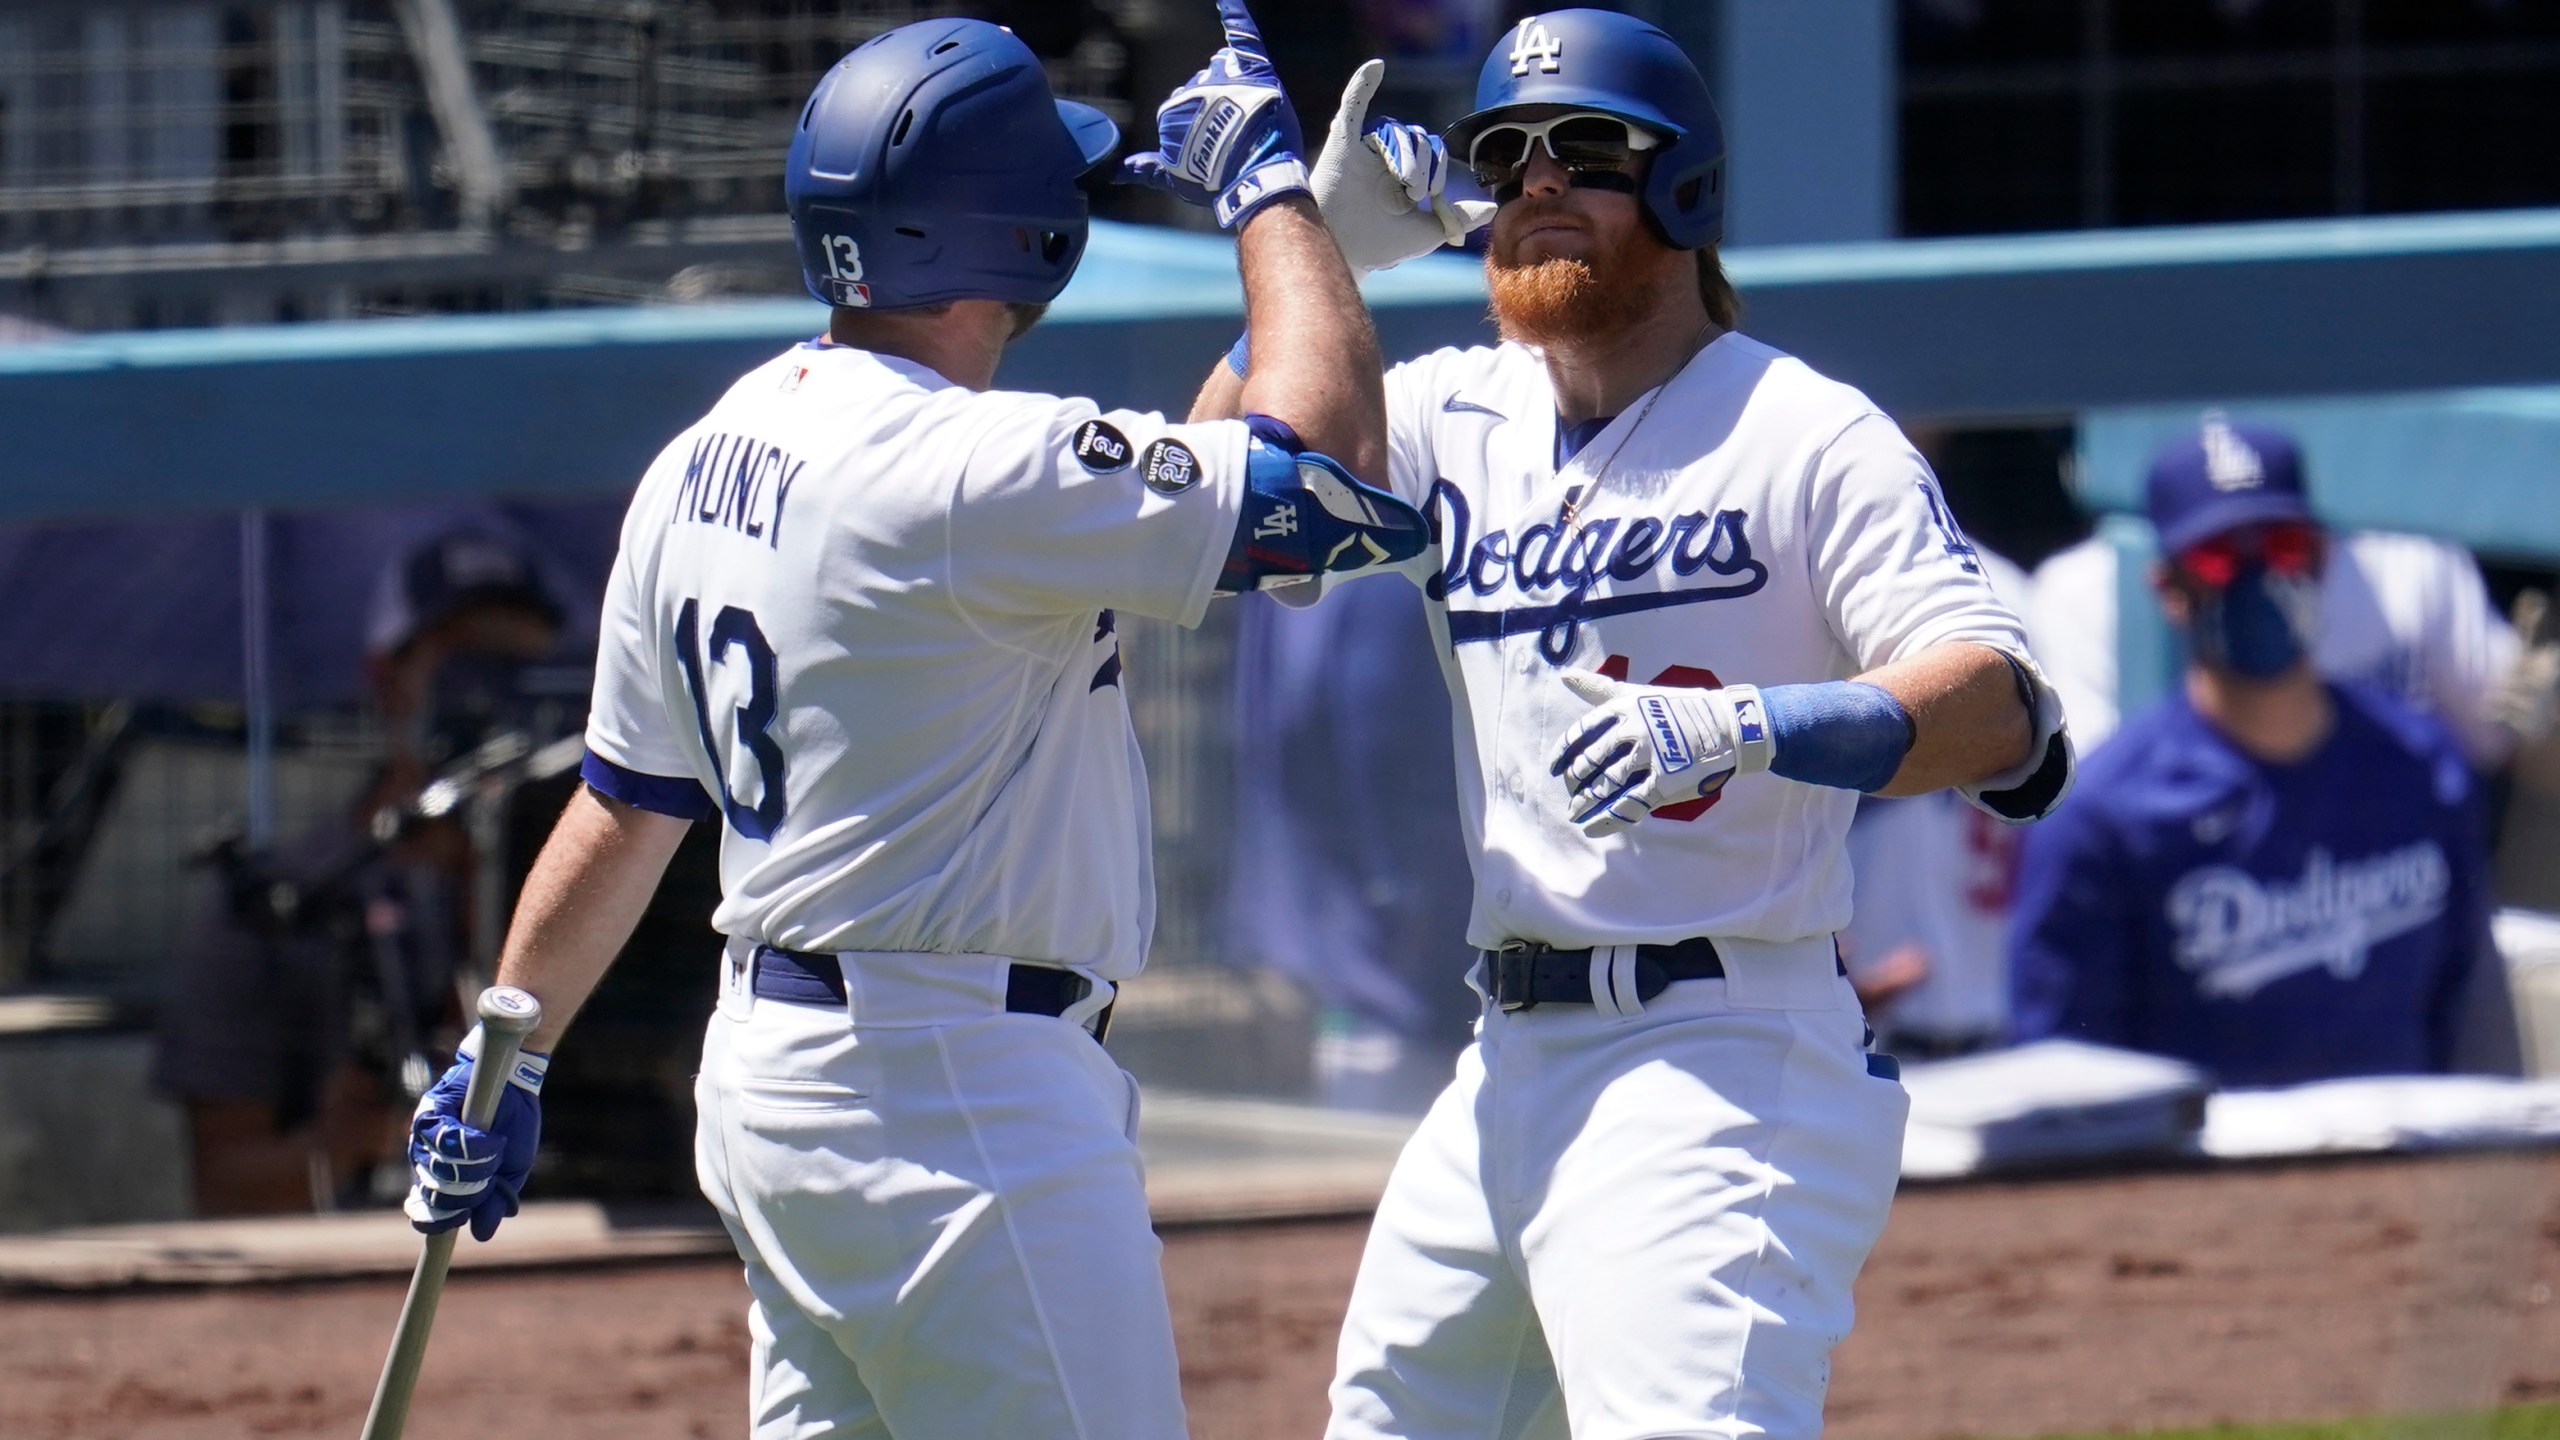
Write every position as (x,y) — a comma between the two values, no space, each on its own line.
(1842,733)
(1240,354)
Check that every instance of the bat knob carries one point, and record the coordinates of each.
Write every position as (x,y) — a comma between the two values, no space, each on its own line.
(504,1009)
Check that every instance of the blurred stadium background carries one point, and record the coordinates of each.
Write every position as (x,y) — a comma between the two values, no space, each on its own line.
(289,289)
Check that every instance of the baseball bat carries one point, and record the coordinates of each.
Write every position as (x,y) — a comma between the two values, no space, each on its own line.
(507,1015)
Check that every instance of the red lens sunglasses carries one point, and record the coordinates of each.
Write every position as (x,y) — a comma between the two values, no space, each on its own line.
(2290,548)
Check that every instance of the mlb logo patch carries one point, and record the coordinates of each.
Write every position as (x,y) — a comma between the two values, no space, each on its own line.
(1746,715)
(853,294)
(792,377)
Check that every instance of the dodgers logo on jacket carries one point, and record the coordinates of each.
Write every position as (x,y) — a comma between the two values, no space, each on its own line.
(2240,933)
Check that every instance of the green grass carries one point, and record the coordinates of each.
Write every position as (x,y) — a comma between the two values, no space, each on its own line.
(2513,1422)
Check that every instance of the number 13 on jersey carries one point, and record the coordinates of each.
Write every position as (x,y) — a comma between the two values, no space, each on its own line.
(736,629)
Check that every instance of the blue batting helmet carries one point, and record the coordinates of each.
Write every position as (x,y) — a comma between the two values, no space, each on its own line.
(1618,65)
(933,164)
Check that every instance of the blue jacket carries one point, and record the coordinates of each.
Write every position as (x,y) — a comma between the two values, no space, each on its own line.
(2272,923)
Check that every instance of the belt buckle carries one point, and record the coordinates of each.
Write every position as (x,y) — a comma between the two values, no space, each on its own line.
(1515,975)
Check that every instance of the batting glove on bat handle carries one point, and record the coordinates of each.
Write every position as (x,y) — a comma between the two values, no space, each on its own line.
(1646,746)
(1379,183)
(473,1138)
(1227,137)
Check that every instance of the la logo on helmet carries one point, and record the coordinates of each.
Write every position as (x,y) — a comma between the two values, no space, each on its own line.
(1535,42)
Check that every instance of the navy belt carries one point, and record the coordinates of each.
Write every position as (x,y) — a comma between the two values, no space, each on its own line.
(1526,973)
(798,977)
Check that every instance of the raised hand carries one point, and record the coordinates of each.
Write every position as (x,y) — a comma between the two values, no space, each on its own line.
(1227,137)
(1379,183)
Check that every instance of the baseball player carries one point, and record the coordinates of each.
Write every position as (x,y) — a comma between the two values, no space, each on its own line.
(1690,598)
(2273,875)
(863,618)
(2406,613)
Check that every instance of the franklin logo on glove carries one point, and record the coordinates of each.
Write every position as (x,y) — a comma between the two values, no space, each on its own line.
(1668,742)
(1226,138)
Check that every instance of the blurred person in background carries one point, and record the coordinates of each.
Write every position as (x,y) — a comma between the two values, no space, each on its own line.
(317,970)
(2407,613)
(2273,875)
(1350,873)
(1927,940)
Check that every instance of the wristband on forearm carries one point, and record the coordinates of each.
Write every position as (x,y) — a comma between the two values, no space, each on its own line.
(1240,354)
(1843,733)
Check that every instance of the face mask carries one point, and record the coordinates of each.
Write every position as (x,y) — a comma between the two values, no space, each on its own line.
(2259,626)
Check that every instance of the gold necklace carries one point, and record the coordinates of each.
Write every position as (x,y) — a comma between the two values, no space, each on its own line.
(1573,503)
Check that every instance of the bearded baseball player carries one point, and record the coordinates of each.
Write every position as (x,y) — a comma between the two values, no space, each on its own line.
(863,619)
(1691,599)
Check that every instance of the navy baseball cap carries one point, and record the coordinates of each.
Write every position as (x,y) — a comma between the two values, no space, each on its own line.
(2223,477)
(448,574)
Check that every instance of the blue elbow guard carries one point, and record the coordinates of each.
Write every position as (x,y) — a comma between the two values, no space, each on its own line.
(1304,516)
(1844,734)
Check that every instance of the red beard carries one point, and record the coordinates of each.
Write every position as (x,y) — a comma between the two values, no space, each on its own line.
(1563,301)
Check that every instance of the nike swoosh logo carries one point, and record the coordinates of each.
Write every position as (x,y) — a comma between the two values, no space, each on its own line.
(1456,406)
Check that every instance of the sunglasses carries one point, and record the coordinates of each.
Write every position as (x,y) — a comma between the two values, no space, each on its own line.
(1584,143)
(2289,548)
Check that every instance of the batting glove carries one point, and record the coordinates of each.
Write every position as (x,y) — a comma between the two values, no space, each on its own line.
(1379,184)
(462,1173)
(1645,746)
(1226,138)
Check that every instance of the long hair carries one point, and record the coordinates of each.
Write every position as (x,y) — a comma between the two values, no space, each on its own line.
(1724,305)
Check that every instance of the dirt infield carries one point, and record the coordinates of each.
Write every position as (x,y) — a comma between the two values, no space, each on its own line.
(2313,1290)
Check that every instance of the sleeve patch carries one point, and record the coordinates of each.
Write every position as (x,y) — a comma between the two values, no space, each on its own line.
(1101,448)
(681,797)
(1170,468)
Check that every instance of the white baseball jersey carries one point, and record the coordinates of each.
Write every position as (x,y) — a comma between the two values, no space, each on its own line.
(2405,612)
(866,614)
(1752,522)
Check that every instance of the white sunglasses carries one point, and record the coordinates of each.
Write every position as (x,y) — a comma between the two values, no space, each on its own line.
(1582,141)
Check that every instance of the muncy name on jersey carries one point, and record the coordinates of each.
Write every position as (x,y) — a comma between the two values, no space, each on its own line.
(1554,555)
(738,482)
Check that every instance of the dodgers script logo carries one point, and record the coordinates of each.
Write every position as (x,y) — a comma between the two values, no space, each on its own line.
(2240,934)
(1550,557)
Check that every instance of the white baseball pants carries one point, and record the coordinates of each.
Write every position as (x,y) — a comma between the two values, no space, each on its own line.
(942,1215)
(1623,1226)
